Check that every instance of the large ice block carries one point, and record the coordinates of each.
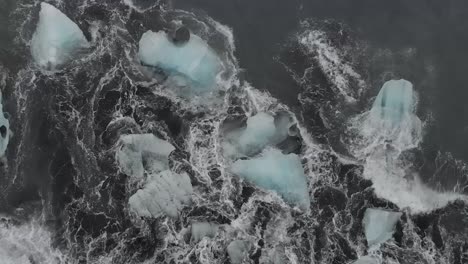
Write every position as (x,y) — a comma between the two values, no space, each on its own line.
(4,130)
(262,130)
(194,60)
(394,101)
(237,251)
(164,193)
(56,38)
(379,225)
(277,172)
(391,121)
(367,260)
(203,229)
(140,152)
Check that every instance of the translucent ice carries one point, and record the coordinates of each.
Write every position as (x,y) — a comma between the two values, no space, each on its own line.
(392,116)
(367,260)
(56,38)
(237,250)
(379,225)
(380,137)
(203,229)
(262,130)
(277,172)
(4,130)
(164,193)
(194,60)
(394,101)
(391,120)
(143,149)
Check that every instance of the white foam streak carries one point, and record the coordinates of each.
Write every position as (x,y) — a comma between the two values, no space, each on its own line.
(27,244)
(338,72)
(392,182)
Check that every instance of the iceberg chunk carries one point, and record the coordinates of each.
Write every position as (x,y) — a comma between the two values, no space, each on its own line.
(194,60)
(367,260)
(143,149)
(56,38)
(261,130)
(203,229)
(237,250)
(277,172)
(4,130)
(379,225)
(390,121)
(394,101)
(164,193)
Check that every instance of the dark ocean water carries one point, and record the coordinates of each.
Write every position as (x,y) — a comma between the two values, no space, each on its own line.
(64,179)
(438,30)
(6,32)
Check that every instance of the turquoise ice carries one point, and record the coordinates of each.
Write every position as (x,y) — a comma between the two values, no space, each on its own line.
(391,122)
(379,225)
(394,101)
(278,172)
(262,130)
(56,38)
(194,60)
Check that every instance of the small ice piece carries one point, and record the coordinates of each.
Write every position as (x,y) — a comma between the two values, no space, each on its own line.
(277,172)
(56,38)
(237,250)
(367,260)
(194,60)
(203,229)
(379,225)
(394,101)
(262,130)
(4,130)
(164,193)
(250,140)
(138,150)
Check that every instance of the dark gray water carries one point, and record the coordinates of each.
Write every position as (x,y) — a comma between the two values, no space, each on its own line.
(6,33)
(64,179)
(438,30)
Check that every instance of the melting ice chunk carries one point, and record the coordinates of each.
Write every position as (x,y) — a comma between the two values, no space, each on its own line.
(194,60)
(278,172)
(203,229)
(4,130)
(262,130)
(164,193)
(394,101)
(367,260)
(237,251)
(143,149)
(56,38)
(391,120)
(379,225)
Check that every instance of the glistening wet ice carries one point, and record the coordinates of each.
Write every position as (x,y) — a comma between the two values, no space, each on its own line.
(134,132)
